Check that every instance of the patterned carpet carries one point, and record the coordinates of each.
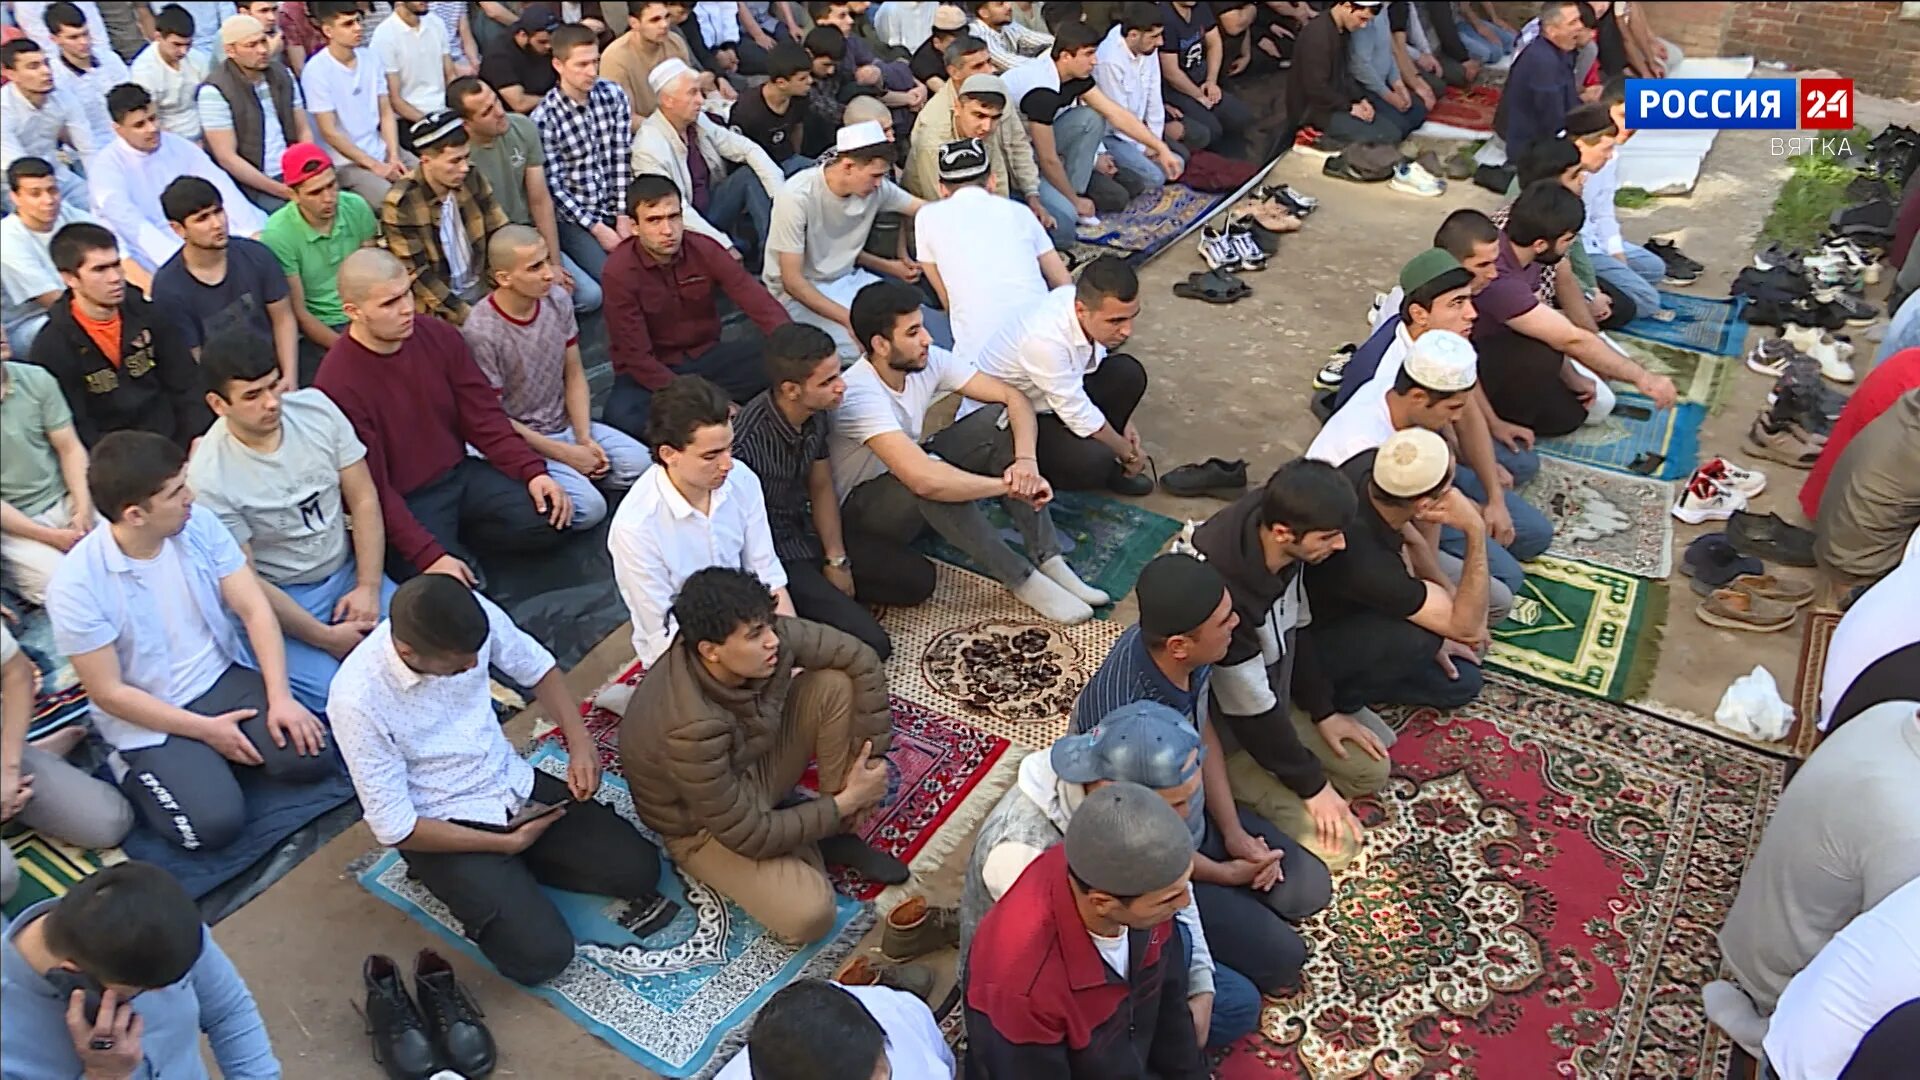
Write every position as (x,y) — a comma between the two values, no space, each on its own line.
(1673,435)
(1538,898)
(1611,519)
(1699,322)
(1150,222)
(1583,628)
(1816,637)
(1698,377)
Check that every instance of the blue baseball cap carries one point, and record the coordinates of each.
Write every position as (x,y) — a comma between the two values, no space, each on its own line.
(1142,742)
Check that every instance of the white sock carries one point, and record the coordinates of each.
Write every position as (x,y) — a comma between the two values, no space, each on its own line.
(1732,1011)
(1044,595)
(614,698)
(1381,729)
(1063,576)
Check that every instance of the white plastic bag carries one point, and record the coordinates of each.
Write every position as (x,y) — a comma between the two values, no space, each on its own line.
(1753,707)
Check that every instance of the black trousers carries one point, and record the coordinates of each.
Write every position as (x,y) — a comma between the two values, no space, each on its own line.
(1208,129)
(187,792)
(1893,677)
(1071,463)
(1521,376)
(1253,931)
(885,574)
(737,367)
(1373,658)
(476,512)
(1624,309)
(498,899)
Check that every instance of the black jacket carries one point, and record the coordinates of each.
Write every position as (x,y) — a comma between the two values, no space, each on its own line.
(1320,85)
(155,387)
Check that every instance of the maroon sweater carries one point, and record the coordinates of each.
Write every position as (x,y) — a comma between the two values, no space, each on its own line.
(658,315)
(416,410)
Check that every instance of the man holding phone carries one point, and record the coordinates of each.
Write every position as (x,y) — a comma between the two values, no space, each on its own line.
(119,978)
(480,827)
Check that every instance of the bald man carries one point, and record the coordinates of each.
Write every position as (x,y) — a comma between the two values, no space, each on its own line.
(527,343)
(418,401)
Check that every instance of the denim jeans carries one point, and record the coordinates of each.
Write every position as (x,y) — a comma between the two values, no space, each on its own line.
(310,669)
(1135,162)
(1077,134)
(1532,532)
(1484,49)
(586,288)
(1636,277)
(626,460)
(740,207)
(1236,1002)
(582,250)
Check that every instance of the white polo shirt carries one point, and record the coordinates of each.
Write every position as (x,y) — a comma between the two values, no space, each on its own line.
(870,408)
(1361,425)
(415,55)
(987,249)
(1043,353)
(172,88)
(352,94)
(658,541)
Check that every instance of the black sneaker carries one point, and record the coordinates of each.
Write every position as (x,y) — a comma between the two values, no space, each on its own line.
(401,1045)
(1876,215)
(1214,476)
(1776,257)
(1298,203)
(464,1042)
(1340,168)
(1766,536)
(1852,312)
(1139,485)
(1670,253)
(1679,276)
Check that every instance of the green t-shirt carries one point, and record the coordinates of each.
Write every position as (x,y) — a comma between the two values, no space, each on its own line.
(315,257)
(1582,264)
(505,163)
(30,479)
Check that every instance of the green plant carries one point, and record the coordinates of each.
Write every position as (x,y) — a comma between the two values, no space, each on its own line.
(1816,188)
(1632,198)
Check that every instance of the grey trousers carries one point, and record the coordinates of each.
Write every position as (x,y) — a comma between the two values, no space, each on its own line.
(1499,596)
(887,508)
(67,805)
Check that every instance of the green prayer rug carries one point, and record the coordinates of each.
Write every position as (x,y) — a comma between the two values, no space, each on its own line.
(1107,542)
(48,868)
(1698,377)
(1583,628)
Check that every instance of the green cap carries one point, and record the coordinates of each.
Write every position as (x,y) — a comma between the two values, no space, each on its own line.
(1426,266)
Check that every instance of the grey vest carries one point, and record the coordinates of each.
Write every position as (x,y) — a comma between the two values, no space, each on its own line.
(249,124)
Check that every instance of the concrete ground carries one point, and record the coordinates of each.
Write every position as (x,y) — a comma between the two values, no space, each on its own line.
(1229,382)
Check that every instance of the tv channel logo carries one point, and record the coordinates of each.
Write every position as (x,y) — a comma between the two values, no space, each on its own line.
(1740,104)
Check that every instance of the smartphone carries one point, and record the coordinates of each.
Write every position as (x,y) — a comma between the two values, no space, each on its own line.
(1632,411)
(66,982)
(533,811)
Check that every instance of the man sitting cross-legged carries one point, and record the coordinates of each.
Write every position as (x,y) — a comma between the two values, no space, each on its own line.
(1251,881)
(985,256)
(720,730)
(892,485)
(732,208)
(1055,352)
(281,470)
(310,237)
(152,609)
(437,217)
(663,319)
(477,825)
(417,401)
(1297,769)
(527,343)
(1389,623)
(1075,973)
(1143,743)
(833,573)
(217,281)
(976,105)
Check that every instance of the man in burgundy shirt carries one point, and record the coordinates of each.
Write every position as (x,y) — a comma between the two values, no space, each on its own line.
(417,400)
(661,318)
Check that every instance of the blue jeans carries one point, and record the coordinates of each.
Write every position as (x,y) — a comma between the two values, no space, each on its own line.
(1637,277)
(310,669)
(1522,465)
(581,251)
(1077,134)
(1902,333)
(1481,48)
(627,458)
(1236,1003)
(1135,162)
(1532,532)
(741,208)
(586,288)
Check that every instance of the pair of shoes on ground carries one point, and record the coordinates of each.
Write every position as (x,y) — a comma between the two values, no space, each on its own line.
(1420,177)
(1680,270)
(1213,287)
(1831,352)
(436,1027)
(1785,440)
(1232,247)
(914,928)
(1217,477)
(1314,143)
(1716,490)
(1737,592)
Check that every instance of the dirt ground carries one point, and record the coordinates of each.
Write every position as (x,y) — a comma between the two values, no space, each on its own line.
(1229,382)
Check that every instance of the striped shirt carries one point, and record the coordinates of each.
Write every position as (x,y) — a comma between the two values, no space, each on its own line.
(1127,675)
(782,457)
(588,149)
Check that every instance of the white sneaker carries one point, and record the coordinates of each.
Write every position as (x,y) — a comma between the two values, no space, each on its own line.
(1044,595)
(1803,338)
(1703,500)
(1252,255)
(1724,473)
(1831,365)
(1057,569)
(1334,370)
(1410,178)
(1841,345)
(1219,250)
(1771,357)
(1379,309)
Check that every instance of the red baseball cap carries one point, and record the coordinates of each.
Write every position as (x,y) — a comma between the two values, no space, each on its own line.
(301,162)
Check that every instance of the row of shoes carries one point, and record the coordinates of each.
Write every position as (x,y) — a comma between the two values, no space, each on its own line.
(1893,155)
(1801,347)
(1680,270)
(1716,491)
(1820,288)
(437,1027)
(1736,591)
(1793,428)
(1252,233)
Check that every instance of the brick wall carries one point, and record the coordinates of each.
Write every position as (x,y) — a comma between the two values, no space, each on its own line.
(1866,41)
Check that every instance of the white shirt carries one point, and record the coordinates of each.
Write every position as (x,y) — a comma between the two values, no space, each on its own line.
(173,89)
(88,89)
(27,270)
(415,54)
(428,746)
(915,1047)
(1360,425)
(658,541)
(1392,359)
(1601,233)
(27,131)
(719,24)
(1132,81)
(1884,619)
(352,95)
(987,250)
(194,659)
(1866,971)
(125,186)
(453,241)
(870,408)
(32,19)
(1043,353)
(1116,951)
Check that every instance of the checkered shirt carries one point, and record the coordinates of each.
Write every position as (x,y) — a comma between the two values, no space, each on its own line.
(410,228)
(588,150)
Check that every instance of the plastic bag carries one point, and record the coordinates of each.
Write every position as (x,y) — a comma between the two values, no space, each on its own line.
(1753,707)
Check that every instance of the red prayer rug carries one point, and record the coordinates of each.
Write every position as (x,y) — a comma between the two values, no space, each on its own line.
(1470,109)
(943,778)
(1542,882)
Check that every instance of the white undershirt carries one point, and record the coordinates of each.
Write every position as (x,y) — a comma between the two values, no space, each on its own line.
(453,239)
(1115,951)
(195,661)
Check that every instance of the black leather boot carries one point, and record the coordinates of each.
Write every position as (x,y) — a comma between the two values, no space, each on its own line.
(400,1042)
(464,1042)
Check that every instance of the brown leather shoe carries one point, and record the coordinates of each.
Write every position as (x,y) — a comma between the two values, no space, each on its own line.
(916,928)
(1789,591)
(1735,610)
(912,978)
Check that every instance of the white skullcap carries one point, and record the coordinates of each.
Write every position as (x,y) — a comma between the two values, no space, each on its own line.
(1411,462)
(665,72)
(859,136)
(1443,361)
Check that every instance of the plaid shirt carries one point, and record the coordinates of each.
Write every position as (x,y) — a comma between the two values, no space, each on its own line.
(410,228)
(589,152)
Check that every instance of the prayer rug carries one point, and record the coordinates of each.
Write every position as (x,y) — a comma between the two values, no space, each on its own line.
(976,654)
(1668,162)
(1699,322)
(1584,628)
(59,700)
(1698,377)
(943,778)
(48,868)
(1671,435)
(276,813)
(677,1003)
(1108,541)
(1538,894)
(1611,519)
(1462,113)
(1152,221)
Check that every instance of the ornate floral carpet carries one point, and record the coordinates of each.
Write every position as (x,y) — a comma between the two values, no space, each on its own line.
(1817,636)
(1108,542)
(1466,110)
(1611,519)
(1538,897)
(1672,436)
(1152,221)
(1584,628)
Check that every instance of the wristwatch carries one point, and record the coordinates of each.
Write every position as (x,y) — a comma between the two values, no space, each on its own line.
(838,562)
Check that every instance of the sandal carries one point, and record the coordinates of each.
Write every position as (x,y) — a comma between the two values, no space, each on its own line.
(1212,286)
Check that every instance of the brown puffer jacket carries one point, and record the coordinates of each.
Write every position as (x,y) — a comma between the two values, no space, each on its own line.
(687,742)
